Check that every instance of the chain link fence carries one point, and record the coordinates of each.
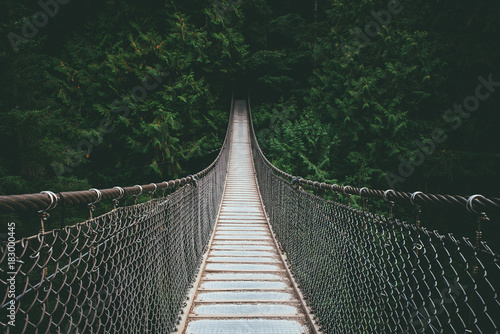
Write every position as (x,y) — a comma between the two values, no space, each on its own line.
(130,269)
(366,273)
(127,271)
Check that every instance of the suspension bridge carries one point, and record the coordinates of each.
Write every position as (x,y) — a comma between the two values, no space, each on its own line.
(243,247)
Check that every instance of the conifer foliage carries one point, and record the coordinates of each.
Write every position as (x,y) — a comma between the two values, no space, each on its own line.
(112,92)
(360,92)
(372,91)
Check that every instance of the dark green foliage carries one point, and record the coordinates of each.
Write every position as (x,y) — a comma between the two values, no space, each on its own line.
(111,93)
(329,104)
(128,85)
(366,96)
(364,106)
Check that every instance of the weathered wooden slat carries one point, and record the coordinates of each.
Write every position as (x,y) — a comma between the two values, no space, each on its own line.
(244,286)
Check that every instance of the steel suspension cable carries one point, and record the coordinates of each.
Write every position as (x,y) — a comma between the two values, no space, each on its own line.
(367,273)
(126,271)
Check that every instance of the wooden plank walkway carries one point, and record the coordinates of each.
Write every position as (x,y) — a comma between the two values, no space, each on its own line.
(244,286)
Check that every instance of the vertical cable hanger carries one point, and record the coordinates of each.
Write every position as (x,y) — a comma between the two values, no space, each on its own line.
(91,205)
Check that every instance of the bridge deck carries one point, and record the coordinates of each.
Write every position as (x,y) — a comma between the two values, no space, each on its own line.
(244,286)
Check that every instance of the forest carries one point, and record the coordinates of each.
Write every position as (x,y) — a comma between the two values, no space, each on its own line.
(384,94)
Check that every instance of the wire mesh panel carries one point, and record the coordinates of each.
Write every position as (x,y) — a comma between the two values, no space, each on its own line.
(127,271)
(364,273)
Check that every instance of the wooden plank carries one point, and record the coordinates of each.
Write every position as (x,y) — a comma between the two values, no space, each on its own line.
(241,210)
